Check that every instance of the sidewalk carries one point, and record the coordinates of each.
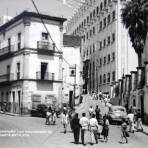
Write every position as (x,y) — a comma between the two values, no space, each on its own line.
(145,130)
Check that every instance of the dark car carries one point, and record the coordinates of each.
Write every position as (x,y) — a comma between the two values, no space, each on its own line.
(40,111)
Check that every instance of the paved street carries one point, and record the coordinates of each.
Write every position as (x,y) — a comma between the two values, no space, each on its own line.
(31,132)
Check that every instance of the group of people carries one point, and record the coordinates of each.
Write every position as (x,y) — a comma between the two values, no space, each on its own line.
(50,116)
(84,124)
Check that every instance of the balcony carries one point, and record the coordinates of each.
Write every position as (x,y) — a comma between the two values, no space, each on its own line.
(45,45)
(7,77)
(45,76)
(6,49)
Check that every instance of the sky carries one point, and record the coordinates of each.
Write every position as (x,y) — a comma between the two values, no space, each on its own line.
(50,7)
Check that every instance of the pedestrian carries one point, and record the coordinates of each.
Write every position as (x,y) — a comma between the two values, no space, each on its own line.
(105,129)
(48,115)
(139,121)
(84,122)
(124,132)
(53,116)
(75,124)
(91,111)
(97,111)
(93,127)
(100,95)
(131,121)
(65,121)
(71,115)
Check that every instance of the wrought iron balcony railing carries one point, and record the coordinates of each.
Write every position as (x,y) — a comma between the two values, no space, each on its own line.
(7,77)
(6,49)
(45,76)
(45,45)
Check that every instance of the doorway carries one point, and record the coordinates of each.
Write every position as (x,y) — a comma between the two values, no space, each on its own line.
(44,71)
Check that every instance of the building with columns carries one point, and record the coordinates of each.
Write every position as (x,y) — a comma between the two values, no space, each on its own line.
(30,64)
(106,48)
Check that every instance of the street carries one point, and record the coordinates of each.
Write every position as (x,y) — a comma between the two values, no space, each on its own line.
(31,132)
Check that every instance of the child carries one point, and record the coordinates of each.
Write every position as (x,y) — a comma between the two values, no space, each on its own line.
(124,132)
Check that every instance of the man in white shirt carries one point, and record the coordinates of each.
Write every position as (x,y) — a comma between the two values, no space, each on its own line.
(131,121)
(93,125)
(84,122)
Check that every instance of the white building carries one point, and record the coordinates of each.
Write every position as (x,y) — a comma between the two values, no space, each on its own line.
(106,47)
(30,65)
(72,68)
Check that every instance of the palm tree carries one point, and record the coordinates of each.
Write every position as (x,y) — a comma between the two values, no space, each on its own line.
(135,19)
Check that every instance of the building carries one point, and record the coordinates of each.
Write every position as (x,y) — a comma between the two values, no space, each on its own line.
(72,68)
(106,48)
(30,64)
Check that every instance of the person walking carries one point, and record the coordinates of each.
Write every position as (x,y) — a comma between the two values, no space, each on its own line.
(76,127)
(48,115)
(84,122)
(97,111)
(131,121)
(93,127)
(105,129)
(124,132)
(139,121)
(65,121)
(91,111)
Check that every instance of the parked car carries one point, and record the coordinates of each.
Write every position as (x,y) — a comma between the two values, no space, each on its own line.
(116,114)
(40,111)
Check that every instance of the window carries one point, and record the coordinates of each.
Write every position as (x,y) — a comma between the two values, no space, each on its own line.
(9,44)
(8,72)
(114,15)
(87,35)
(94,13)
(100,62)
(108,77)
(108,18)
(100,45)
(104,78)
(93,47)
(19,41)
(18,71)
(90,49)
(113,37)
(104,43)
(87,19)
(104,22)
(100,25)
(90,16)
(87,52)
(113,56)
(108,40)
(97,10)
(104,60)
(101,6)
(44,36)
(113,76)
(94,30)
(90,33)
(100,79)
(108,58)
(105,3)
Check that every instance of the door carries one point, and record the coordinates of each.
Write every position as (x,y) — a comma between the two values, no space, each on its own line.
(44,71)
(71,98)
(142,106)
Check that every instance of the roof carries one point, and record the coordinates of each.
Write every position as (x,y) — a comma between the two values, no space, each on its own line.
(71,41)
(31,14)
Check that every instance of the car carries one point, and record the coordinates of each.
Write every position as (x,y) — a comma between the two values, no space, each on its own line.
(40,111)
(116,114)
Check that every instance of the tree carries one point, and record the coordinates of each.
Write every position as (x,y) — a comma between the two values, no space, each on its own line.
(135,18)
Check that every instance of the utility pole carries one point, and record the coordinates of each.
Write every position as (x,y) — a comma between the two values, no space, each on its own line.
(74,86)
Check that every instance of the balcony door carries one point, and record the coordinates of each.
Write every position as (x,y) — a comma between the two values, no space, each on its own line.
(44,71)
(8,72)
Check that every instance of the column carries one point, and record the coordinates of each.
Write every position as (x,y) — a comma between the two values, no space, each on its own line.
(146,72)
(140,77)
(61,36)
(26,32)
(133,80)
(26,65)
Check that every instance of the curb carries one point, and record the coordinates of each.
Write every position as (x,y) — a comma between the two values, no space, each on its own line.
(12,114)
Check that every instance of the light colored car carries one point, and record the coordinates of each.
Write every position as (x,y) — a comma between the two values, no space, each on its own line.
(117,113)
